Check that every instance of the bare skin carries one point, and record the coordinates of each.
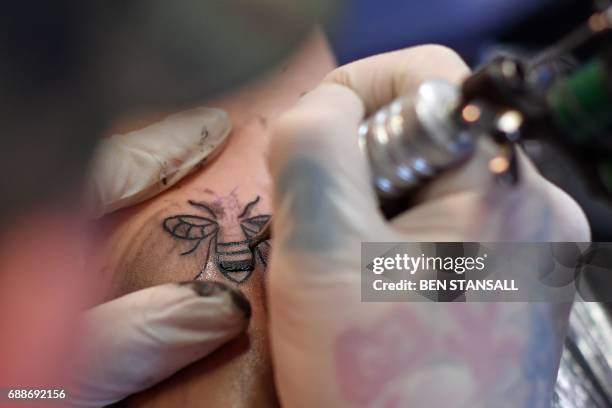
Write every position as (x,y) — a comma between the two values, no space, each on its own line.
(197,230)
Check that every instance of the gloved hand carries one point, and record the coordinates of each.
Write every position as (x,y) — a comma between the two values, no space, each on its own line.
(130,168)
(135,341)
(349,353)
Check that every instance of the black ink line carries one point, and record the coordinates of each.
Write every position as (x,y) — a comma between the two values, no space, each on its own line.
(231,269)
(203,206)
(178,224)
(205,263)
(246,229)
(238,252)
(235,243)
(261,257)
(192,249)
(236,266)
(257,222)
(204,236)
(248,207)
(199,242)
(258,218)
(181,220)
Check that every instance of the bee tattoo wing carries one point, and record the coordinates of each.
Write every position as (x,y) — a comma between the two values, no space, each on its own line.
(251,226)
(190,228)
(233,257)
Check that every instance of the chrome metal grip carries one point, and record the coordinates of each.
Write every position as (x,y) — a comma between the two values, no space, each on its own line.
(414,138)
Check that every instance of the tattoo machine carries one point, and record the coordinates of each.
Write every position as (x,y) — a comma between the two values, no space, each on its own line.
(416,137)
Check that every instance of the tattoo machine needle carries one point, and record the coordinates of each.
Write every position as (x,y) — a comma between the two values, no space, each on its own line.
(263,235)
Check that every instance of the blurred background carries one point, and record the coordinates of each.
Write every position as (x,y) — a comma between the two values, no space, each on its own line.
(471,27)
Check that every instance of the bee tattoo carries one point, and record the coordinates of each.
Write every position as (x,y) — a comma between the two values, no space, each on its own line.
(223,230)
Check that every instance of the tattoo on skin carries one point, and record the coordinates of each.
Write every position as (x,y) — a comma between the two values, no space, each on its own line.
(501,355)
(223,228)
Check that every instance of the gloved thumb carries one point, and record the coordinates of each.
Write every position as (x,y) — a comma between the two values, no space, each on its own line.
(135,341)
(130,168)
(322,182)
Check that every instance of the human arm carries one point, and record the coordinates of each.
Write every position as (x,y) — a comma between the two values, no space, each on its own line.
(403,354)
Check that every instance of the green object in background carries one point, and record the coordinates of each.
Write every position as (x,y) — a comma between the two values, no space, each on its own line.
(582,103)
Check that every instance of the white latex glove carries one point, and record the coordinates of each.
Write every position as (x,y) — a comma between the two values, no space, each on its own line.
(135,341)
(140,339)
(136,166)
(332,350)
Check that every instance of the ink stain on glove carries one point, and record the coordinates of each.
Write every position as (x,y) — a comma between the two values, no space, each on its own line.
(305,190)
(213,288)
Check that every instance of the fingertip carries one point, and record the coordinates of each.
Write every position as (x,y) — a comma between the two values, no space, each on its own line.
(215,288)
(335,95)
(141,338)
(133,167)
(379,79)
(210,119)
(323,122)
(322,178)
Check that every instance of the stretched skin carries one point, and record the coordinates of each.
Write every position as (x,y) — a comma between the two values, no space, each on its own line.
(139,252)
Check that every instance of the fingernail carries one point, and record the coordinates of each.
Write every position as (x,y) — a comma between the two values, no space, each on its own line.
(212,288)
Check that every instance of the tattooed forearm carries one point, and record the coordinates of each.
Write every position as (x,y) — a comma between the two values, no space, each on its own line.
(223,229)
(461,355)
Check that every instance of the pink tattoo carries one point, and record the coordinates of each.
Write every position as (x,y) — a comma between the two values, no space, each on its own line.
(369,358)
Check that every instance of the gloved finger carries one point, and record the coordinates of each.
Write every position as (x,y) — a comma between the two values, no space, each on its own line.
(381,78)
(475,174)
(322,182)
(133,167)
(455,205)
(135,341)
